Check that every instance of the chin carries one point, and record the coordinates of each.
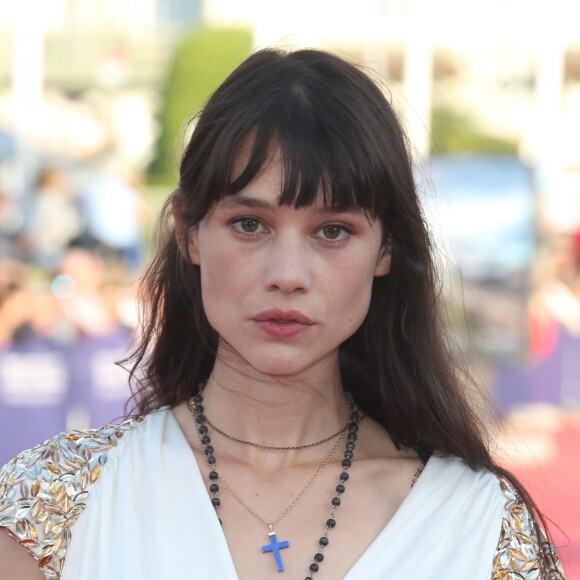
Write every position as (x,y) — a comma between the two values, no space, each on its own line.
(279,368)
(276,364)
(281,360)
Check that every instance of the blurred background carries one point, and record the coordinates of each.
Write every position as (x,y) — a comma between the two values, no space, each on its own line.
(93,102)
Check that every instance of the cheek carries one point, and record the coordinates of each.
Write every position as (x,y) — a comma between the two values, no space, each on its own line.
(225,277)
(212,292)
(352,293)
(357,303)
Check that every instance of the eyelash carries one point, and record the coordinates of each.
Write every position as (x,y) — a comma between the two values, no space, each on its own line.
(236,226)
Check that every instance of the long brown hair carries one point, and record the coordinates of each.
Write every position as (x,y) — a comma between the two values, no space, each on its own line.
(337,134)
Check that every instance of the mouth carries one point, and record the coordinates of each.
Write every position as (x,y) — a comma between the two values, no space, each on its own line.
(283,324)
(283,317)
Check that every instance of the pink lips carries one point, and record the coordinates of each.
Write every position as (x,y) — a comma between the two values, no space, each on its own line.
(282,323)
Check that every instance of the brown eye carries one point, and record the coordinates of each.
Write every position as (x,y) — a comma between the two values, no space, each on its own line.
(249,225)
(332,232)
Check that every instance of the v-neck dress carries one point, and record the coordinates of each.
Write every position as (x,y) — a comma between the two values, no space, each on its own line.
(129,502)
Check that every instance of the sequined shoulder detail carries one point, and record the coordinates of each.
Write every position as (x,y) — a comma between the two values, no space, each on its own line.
(519,547)
(44,490)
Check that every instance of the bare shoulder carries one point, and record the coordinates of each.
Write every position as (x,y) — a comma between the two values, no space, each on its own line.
(385,466)
(16,561)
(375,442)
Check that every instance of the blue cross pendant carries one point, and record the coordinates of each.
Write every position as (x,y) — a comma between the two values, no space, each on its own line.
(275,546)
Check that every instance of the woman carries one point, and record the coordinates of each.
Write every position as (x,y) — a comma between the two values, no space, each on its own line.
(292,340)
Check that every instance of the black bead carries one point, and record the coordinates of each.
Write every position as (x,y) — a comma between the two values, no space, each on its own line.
(201,385)
(330,523)
(208,450)
(308,578)
(199,419)
(355,416)
(215,501)
(344,476)
(318,557)
(335,501)
(214,487)
(202,429)
(213,475)
(354,407)
(350,445)
(351,437)
(340,488)
(211,459)
(323,541)
(353,428)
(199,408)
(197,399)
(348,454)
(314,567)
(205,440)
(345,462)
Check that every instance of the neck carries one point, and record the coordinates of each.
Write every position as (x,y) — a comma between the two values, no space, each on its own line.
(273,411)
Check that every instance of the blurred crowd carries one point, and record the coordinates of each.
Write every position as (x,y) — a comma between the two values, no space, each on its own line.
(550,372)
(101,212)
(556,288)
(71,250)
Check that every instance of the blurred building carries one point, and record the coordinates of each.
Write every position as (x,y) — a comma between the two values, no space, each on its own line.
(83,38)
(511,67)
(80,77)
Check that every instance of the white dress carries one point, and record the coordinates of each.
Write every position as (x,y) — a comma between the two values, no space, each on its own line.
(128,502)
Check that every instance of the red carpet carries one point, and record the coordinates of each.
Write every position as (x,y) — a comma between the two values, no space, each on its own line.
(553,479)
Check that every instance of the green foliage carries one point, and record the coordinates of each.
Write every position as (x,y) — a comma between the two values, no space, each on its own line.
(452,132)
(201,63)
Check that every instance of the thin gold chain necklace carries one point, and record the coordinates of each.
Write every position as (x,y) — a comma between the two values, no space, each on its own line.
(276,448)
(196,408)
(295,500)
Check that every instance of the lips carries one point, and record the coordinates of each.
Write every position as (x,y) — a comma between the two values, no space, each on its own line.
(283,323)
(283,316)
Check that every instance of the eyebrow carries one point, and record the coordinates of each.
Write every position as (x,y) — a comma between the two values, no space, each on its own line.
(239,201)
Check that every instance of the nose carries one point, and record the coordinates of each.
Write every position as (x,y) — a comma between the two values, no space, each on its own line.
(288,268)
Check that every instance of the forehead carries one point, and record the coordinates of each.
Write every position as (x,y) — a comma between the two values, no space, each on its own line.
(268,200)
(265,190)
(305,166)
(277,181)
(270,162)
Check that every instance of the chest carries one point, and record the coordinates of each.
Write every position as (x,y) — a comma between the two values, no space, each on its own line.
(304,533)
(159,523)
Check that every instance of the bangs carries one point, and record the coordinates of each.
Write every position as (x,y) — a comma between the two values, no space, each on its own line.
(316,144)
(336,137)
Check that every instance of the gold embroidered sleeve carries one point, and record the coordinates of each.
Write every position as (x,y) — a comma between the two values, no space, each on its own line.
(519,548)
(44,490)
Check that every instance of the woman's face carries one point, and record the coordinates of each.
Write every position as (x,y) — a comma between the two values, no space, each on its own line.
(284,287)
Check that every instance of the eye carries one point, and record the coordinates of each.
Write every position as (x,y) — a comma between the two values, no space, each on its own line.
(248,225)
(333,232)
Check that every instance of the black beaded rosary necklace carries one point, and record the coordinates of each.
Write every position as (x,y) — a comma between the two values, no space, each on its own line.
(196,408)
